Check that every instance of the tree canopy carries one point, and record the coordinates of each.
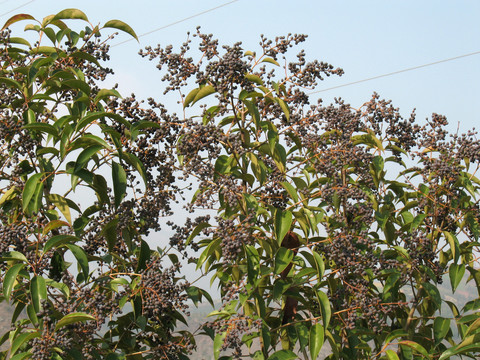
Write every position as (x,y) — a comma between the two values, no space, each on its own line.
(331,228)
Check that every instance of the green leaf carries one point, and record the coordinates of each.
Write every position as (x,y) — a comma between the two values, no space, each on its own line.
(85,156)
(283,355)
(59,240)
(52,225)
(85,56)
(196,231)
(15,18)
(456,273)
(62,204)
(319,264)
(120,25)
(472,328)
(38,291)
(317,336)
(279,288)
(110,233)
(284,107)
(459,350)
(11,83)
(291,191)
(137,164)
(70,14)
(325,308)
(283,223)
(218,343)
(417,221)
(22,339)
(254,78)
(77,85)
(73,318)
(8,195)
(190,97)
(203,92)
(433,293)
(119,177)
(253,111)
(454,245)
(30,188)
(21,356)
(271,61)
(391,355)
(10,279)
(106,93)
(81,257)
(283,258)
(440,328)
(42,127)
(415,346)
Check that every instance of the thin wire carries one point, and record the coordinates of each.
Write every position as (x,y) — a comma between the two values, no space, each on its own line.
(177,22)
(396,72)
(18,7)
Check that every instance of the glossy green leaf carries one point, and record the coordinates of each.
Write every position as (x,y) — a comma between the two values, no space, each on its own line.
(61,203)
(218,343)
(38,291)
(283,258)
(456,273)
(291,190)
(30,188)
(190,97)
(119,177)
(85,156)
(22,339)
(21,356)
(137,164)
(325,308)
(81,257)
(73,318)
(433,293)
(271,61)
(391,355)
(70,14)
(441,326)
(10,279)
(203,92)
(120,25)
(317,336)
(454,245)
(106,93)
(59,240)
(197,231)
(319,264)
(42,127)
(416,347)
(284,107)
(283,223)
(283,355)
(16,18)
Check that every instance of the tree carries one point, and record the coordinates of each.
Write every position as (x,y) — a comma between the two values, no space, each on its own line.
(73,255)
(333,226)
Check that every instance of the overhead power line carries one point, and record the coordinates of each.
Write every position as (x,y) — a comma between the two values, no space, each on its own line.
(18,7)
(177,22)
(396,72)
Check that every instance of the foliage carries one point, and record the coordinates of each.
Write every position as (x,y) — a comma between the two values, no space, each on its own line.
(333,226)
(74,216)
